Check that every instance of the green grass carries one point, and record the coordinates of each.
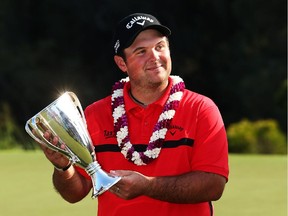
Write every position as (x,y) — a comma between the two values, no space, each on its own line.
(257,186)
(27,190)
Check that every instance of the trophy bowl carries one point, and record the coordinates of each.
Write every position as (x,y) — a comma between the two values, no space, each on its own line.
(65,119)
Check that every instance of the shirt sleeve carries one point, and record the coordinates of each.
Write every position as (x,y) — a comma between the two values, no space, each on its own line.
(211,145)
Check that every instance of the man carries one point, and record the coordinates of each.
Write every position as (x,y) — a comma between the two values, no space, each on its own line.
(167,143)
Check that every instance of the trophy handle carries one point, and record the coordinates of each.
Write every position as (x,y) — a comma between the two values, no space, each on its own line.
(32,130)
(29,129)
(77,105)
(37,133)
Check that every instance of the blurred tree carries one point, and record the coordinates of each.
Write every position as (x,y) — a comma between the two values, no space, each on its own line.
(11,136)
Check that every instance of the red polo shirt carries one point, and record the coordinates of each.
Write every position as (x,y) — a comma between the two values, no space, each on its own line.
(196,140)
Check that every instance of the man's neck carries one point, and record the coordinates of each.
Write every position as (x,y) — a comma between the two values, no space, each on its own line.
(144,97)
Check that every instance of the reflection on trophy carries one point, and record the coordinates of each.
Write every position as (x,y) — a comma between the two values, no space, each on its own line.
(65,119)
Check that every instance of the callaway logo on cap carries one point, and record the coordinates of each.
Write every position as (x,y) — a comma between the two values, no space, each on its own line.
(129,27)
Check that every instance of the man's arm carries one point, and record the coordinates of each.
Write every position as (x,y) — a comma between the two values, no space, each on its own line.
(192,187)
(71,185)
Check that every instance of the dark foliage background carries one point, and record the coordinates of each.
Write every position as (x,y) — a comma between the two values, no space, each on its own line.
(233,51)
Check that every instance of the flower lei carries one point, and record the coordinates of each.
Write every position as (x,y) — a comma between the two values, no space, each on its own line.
(160,129)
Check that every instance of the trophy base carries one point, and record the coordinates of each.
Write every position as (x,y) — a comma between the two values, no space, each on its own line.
(104,183)
(100,179)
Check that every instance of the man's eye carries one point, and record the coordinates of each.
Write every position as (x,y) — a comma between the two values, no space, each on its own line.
(160,47)
(140,52)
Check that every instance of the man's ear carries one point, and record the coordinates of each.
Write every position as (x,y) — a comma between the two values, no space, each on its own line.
(120,63)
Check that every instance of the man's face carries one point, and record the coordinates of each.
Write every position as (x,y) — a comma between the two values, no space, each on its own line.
(148,61)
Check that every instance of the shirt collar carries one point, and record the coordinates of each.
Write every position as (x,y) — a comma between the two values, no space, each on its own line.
(130,104)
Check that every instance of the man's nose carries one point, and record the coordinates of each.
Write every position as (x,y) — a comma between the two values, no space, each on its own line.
(153,55)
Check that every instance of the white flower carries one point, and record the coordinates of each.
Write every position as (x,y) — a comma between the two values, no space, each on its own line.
(159,134)
(175,96)
(136,159)
(176,79)
(121,134)
(118,112)
(126,79)
(125,148)
(153,153)
(117,93)
(169,114)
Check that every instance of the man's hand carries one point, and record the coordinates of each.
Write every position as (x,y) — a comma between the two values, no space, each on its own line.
(131,185)
(56,158)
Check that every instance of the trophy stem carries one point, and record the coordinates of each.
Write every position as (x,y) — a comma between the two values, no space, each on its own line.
(100,179)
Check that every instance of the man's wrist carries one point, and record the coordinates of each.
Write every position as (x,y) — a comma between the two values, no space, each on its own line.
(64,168)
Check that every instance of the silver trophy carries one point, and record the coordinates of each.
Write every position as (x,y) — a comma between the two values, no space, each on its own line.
(65,119)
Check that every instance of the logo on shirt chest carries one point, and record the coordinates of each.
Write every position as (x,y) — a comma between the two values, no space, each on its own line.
(109,134)
(173,129)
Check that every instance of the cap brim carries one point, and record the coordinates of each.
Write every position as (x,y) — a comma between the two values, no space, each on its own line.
(162,29)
